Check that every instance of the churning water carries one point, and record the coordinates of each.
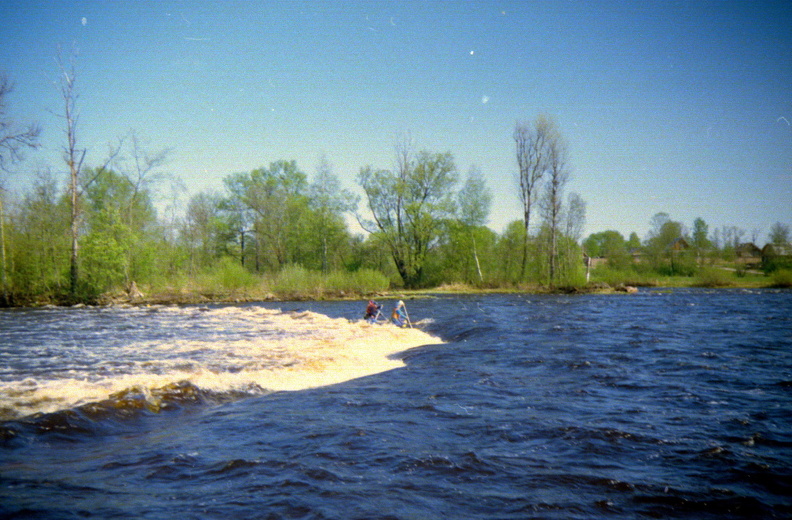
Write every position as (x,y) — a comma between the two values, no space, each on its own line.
(663,404)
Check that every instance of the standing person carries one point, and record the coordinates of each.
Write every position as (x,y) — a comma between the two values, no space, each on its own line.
(399,316)
(372,311)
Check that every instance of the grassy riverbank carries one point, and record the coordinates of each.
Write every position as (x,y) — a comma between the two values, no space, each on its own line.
(299,284)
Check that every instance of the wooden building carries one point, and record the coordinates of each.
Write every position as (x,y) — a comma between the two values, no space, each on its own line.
(748,254)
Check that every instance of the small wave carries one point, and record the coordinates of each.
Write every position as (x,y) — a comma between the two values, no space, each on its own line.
(467,464)
(108,414)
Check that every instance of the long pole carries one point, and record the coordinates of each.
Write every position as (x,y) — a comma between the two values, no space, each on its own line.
(407,315)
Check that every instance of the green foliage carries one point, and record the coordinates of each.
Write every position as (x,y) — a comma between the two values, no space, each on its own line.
(700,238)
(779,234)
(37,242)
(409,207)
(272,217)
(228,276)
(272,233)
(297,282)
(622,276)
(634,242)
(775,259)
(104,250)
(475,200)
(103,261)
(362,282)
(782,278)
(206,234)
(713,277)
(509,250)
(610,245)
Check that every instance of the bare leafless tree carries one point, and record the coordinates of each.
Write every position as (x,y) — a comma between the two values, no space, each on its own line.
(74,157)
(558,175)
(142,168)
(14,139)
(531,139)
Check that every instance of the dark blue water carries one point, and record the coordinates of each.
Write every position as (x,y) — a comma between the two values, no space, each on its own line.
(657,405)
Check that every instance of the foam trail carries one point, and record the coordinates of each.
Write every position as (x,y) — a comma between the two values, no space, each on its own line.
(234,350)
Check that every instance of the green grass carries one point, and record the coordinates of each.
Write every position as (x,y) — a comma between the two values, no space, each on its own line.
(782,278)
(614,277)
(708,276)
(714,277)
(228,280)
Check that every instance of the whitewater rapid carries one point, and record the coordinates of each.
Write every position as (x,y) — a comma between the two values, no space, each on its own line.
(82,358)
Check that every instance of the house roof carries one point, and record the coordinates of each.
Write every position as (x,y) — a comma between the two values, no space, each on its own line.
(777,250)
(679,244)
(748,249)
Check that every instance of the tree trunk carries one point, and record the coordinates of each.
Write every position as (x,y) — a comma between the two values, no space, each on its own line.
(74,159)
(476,258)
(73,272)
(324,254)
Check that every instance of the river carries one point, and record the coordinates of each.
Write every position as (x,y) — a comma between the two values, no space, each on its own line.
(661,404)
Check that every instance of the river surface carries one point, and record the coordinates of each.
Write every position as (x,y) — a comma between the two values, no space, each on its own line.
(661,404)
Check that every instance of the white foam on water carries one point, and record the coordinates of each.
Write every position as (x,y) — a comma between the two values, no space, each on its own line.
(238,350)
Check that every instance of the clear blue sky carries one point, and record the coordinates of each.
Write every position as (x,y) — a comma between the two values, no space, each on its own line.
(683,107)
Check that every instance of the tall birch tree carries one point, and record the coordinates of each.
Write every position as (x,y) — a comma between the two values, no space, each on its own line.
(475,200)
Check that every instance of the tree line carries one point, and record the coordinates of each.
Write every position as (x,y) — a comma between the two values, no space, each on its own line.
(97,230)
(672,249)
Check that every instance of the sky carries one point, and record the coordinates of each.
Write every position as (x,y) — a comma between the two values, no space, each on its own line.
(682,107)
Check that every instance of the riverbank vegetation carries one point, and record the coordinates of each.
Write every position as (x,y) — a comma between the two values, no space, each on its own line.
(119,230)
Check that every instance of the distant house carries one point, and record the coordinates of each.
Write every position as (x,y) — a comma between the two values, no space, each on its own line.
(594,261)
(748,254)
(777,250)
(776,256)
(680,244)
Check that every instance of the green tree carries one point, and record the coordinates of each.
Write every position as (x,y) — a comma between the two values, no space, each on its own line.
(106,251)
(574,221)
(206,235)
(454,261)
(475,200)
(610,245)
(39,259)
(509,249)
(779,234)
(278,197)
(633,242)
(239,216)
(700,238)
(408,207)
(329,202)
(13,140)
(664,246)
(121,226)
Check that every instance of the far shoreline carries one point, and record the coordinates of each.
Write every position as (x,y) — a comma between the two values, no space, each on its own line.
(197,298)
